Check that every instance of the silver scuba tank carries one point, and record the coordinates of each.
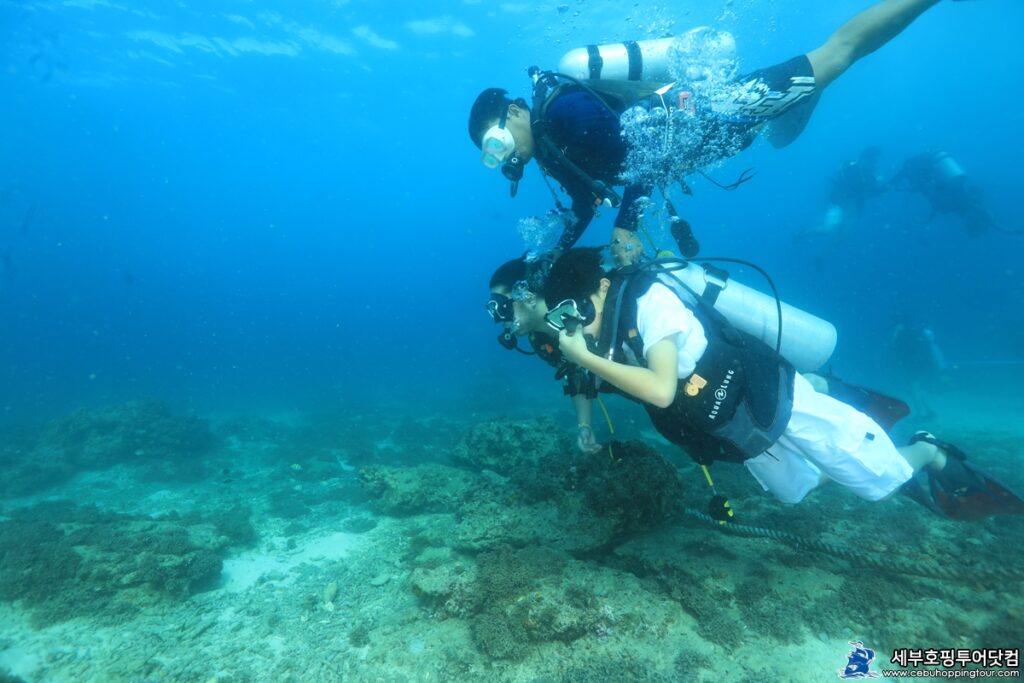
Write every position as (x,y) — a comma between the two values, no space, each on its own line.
(807,340)
(632,60)
(702,54)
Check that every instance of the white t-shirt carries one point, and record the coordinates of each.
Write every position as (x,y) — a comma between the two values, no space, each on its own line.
(661,315)
(823,435)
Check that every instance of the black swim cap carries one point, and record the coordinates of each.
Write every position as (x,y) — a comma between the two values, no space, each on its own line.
(488,106)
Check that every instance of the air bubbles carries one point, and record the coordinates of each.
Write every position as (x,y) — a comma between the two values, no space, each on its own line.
(708,116)
(540,233)
(703,58)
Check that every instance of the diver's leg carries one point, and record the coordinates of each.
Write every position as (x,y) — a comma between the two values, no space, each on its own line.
(862,35)
(922,454)
(955,487)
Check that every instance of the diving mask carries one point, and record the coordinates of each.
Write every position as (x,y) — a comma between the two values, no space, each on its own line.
(500,308)
(498,145)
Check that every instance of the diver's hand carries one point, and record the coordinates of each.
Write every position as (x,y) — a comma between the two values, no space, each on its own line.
(573,346)
(586,441)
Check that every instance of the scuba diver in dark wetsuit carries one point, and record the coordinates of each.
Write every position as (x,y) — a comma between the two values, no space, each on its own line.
(853,183)
(575,133)
(945,185)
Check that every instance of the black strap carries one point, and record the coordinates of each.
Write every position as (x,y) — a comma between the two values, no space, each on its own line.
(610,319)
(713,287)
(595,61)
(636,60)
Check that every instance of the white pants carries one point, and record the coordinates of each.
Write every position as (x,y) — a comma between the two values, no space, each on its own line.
(827,436)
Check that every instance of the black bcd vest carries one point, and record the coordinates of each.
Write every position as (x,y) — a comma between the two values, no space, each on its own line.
(738,400)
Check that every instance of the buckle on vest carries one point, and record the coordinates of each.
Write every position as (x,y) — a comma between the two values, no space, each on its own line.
(694,384)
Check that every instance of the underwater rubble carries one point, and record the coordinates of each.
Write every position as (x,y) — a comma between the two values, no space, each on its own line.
(62,561)
(489,550)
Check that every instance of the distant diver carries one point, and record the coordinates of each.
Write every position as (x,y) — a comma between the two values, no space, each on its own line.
(49,58)
(944,183)
(575,125)
(920,362)
(27,220)
(853,183)
(17,219)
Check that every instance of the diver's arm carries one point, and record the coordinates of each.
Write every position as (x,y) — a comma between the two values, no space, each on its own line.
(586,442)
(656,384)
(584,409)
(631,211)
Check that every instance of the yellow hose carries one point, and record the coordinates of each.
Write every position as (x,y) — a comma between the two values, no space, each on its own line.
(611,427)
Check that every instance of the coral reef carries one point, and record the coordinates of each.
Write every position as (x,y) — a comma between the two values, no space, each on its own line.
(566,524)
(634,485)
(449,589)
(545,501)
(502,446)
(513,599)
(411,490)
(497,635)
(137,431)
(504,574)
(689,663)
(708,605)
(770,613)
(549,477)
(62,560)
(28,465)
(145,434)
(623,669)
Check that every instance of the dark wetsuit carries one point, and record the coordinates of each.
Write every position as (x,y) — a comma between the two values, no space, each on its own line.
(590,135)
(946,187)
(853,184)
(588,132)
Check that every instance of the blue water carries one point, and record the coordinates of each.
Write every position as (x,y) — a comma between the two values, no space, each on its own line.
(269,218)
(246,206)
